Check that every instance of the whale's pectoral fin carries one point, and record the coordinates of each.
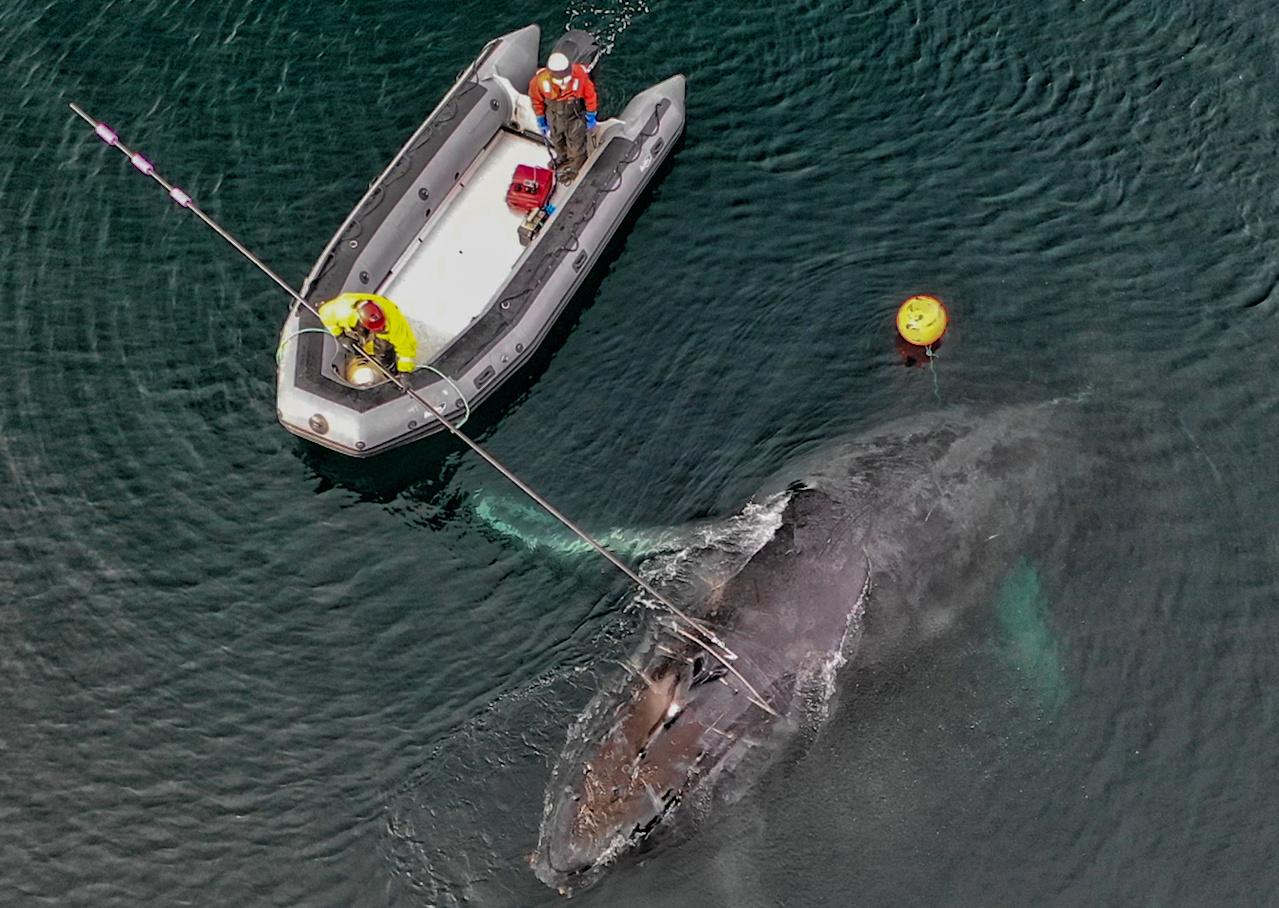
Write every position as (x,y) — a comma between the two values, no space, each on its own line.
(525,523)
(1029,648)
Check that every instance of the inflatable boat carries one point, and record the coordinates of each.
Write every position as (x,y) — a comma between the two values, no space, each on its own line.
(477,246)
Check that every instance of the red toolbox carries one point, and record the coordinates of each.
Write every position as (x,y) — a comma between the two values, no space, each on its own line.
(530,188)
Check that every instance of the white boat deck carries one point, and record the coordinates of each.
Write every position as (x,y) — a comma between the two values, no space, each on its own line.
(450,272)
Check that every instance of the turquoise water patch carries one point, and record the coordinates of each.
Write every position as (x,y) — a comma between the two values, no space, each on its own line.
(1028,645)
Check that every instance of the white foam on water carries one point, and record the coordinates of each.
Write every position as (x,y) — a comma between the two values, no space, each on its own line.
(606,21)
(717,550)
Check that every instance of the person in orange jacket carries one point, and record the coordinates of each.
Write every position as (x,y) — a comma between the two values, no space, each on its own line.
(564,100)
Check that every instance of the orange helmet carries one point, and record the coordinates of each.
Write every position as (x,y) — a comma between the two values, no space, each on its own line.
(371,315)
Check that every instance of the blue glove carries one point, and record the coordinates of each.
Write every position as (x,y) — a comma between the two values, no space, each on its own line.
(543,128)
(590,120)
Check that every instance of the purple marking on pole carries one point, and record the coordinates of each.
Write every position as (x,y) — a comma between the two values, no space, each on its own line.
(106,134)
(180,197)
(142,164)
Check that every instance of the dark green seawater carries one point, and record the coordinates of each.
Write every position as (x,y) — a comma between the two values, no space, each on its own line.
(237,670)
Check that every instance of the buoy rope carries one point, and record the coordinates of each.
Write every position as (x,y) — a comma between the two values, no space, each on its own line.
(706,638)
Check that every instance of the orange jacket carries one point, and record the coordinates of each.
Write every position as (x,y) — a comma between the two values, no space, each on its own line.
(542,89)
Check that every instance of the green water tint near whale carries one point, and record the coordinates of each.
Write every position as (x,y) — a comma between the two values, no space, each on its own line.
(1029,647)
(534,528)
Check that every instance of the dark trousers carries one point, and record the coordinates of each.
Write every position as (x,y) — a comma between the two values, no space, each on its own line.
(379,348)
(567,120)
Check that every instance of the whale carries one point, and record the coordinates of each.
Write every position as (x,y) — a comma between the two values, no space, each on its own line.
(871,547)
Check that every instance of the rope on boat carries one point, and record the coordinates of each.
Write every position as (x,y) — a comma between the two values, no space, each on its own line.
(466,404)
(279,351)
(279,354)
(703,636)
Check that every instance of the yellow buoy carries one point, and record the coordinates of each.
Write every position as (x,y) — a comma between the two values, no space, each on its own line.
(921,320)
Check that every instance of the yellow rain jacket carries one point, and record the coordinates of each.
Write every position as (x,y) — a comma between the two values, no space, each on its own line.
(339,316)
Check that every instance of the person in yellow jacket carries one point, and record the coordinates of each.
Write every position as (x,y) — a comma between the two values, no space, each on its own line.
(376,324)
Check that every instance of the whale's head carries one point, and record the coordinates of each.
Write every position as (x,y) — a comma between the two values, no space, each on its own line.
(638,754)
(700,696)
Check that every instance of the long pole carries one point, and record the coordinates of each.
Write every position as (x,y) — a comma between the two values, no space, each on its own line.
(716,647)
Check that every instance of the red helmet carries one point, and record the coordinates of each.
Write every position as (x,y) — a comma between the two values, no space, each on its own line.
(371,315)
